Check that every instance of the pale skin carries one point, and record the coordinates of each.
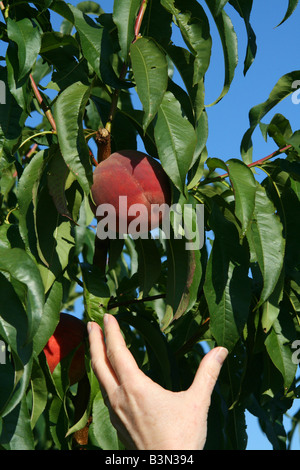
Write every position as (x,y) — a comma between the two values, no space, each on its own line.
(146,416)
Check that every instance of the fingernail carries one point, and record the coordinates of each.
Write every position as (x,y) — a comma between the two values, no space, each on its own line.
(105,318)
(89,326)
(221,355)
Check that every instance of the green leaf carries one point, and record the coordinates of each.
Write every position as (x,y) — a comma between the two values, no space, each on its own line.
(96,46)
(16,430)
(28,40)
(227,287)
(265,237)
(69,112)
(14,331)
(96,294)
(184,270)
(21,267)
(55,40)
(55,239)
(271,308)
(56,177)
(149,264)
(229,42)
(244,188)
(282,89)
(194,27)
(184,62)
(279,350)
(124,16)
(101,428)
(150,70)
(291,8)
(175,138)
(58,422)
(50,317)
(155,341)
(244,8)
(12,119)
(39,392)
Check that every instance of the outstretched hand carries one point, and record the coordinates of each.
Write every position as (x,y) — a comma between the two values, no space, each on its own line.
(146,416)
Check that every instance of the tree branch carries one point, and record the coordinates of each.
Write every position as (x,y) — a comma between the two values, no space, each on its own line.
(115,96)
(42,104)
(135,301)
(257,163)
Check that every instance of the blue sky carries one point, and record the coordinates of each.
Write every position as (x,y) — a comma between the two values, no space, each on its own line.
(277,55)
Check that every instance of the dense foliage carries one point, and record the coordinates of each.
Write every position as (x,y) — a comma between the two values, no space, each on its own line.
(240,290)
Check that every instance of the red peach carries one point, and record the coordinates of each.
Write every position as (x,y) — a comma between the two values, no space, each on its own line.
(68,336)
(139,177)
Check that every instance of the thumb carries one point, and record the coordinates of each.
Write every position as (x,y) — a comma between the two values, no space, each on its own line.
(208,373)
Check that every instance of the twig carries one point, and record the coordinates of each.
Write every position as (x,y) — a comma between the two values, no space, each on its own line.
(139,19)
(260,162)
(203,328)
(115,96)
(42,104)
(136,301)
(93,159)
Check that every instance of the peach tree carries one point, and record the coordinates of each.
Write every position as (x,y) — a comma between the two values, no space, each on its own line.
(100,83)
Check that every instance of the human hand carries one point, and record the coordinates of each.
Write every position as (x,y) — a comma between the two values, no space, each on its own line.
(146,416)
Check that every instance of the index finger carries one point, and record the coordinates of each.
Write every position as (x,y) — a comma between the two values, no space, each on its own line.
(100,363)
(119,356)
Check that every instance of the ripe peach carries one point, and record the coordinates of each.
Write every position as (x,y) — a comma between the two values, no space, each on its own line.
(139,177)
(68,335)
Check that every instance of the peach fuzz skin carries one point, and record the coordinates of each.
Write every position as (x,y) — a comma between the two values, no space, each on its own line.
(133,174)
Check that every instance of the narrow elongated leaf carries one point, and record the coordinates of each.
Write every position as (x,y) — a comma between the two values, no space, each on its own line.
(14,331)
(101,428)
(28,40)
(229,42)
(291,8)
(194,27)
(265,237)
(227,287)
(279,350)
(244,8)
(243,185)
(175,138)
(21,267)
(271,308)
(150,70)
(95,41)
(96,294)
(12,118)
(69,111)
(56,177)
(39,392)
(149,263)
(55,40)
(50,317)
(244,188)
(178,267)
(282,89)
(124,16)
(183,60)
(16,430)
(155,340)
